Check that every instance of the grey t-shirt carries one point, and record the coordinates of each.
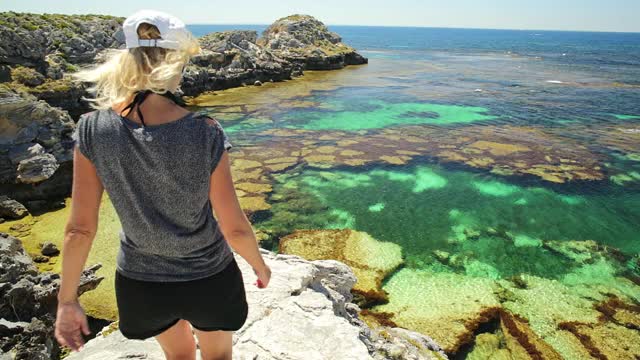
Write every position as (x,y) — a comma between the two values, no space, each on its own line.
(158,182)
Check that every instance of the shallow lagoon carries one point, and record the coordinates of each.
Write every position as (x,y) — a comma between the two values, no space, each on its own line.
(479,246)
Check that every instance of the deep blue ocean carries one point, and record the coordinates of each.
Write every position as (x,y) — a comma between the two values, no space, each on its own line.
(603,51)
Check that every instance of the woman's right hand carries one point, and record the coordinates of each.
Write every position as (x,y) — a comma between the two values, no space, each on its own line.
(264,275)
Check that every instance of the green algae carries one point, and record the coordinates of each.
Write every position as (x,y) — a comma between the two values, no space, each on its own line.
(521,201)
(508,259)
(377,207)
(524,240)
(387,114)
(427,179)
(344,220)
(339,179)
(100,302)
(622,179)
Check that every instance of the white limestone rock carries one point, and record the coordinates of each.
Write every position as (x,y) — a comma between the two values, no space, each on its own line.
(300,315)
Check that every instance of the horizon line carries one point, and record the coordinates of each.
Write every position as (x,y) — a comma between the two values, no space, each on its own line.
(441,27)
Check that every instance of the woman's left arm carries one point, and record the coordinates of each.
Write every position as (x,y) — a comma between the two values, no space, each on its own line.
(79,234)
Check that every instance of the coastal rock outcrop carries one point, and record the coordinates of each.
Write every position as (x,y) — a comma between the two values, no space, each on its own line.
(38,49)
(305,313)
(304,40)
(28,303)
(26,39)
(231,59)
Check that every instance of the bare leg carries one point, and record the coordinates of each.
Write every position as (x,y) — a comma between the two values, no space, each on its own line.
(177,342)
(215,345)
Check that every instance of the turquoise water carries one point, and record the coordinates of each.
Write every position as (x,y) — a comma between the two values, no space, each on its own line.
(427,207)
(470,232)
(380,114)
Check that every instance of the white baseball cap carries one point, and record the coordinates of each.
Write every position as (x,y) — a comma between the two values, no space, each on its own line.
(172,30)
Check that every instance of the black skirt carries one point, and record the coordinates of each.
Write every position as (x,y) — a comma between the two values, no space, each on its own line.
(148,308)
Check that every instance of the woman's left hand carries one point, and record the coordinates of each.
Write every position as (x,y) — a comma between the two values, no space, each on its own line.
(71,322)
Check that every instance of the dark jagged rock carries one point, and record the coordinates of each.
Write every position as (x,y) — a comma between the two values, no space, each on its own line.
(228,40)
(232,59)
(11,209)
(62,93)
(49,249)
(304,40)
(28,302)
(37,49)
(26,39)
(35,148)
(26,76)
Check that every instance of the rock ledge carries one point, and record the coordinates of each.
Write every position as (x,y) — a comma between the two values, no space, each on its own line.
(305,313)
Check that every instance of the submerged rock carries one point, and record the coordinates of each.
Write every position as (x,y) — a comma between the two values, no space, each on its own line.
(305,313)
(523,342)
(503,150)
(370,259)
(447,306)
(486,312)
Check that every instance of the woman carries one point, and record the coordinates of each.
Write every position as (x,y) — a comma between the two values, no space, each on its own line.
(166,172)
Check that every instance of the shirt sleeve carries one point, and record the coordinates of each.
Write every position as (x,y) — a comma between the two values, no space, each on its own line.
(81,137)
(221,142)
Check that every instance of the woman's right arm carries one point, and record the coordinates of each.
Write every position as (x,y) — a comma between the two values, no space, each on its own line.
(233,222)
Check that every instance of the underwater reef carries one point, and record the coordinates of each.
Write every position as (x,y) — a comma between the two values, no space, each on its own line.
(370,260)
(468,307)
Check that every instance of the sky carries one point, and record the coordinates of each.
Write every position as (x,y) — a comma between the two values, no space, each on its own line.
(583,15)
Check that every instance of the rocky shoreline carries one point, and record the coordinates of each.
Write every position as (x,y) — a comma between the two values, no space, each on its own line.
(314,296)
(39,103)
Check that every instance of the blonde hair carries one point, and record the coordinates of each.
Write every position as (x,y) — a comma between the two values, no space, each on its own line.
(126,71)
